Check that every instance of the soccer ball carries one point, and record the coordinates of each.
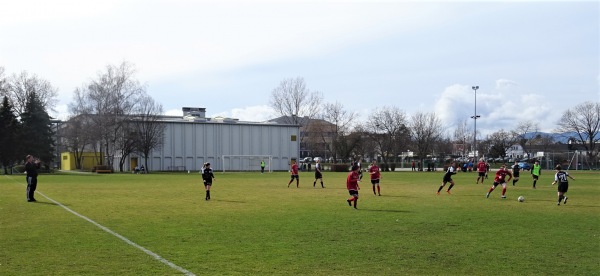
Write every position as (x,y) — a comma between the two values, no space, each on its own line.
(521,199)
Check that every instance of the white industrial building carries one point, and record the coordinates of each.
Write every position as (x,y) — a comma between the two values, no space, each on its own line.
(228,144)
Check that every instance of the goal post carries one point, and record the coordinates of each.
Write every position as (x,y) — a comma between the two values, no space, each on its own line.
(246,163)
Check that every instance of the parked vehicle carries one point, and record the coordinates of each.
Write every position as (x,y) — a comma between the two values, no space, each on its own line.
(524,166)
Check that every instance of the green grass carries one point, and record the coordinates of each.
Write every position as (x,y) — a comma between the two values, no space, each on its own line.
(256,225)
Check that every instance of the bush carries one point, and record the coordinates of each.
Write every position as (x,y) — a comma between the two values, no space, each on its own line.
(393,166)
(339,167)
(101,167)
(384,167)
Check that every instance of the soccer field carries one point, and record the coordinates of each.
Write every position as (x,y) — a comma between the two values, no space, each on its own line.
(160,224)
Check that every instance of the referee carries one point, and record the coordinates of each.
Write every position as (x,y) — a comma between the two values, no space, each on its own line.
(31,168)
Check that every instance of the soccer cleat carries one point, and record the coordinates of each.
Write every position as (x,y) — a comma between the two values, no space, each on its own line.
(437,193)
(503,196)
(349,203)
(379,194)
(565,201)
(558,203)
(448,191)
(487,195)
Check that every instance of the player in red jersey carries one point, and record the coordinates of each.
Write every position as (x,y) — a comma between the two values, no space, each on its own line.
(352,185)
(294,172)
(375,176)
(500,179)
(481,170)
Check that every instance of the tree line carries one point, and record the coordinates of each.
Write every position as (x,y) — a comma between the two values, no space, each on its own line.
(113,116)
(389,131)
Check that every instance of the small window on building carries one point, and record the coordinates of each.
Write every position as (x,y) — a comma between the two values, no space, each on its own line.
(65,157)
(293,138)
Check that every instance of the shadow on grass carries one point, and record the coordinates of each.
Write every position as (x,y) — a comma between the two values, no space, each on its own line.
(383,210)
(48,203)
(231,201)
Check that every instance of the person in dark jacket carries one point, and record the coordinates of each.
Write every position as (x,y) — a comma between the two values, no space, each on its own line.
(31,168)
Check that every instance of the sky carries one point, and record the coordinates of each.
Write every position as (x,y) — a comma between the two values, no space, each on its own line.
(532,60)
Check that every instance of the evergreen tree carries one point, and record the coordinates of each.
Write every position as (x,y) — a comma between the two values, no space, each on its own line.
(37,135)
(9,127)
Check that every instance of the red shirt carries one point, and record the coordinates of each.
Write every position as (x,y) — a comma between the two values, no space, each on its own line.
(294,169)
(481,167)
(501,175)
(352,181)
(374,172)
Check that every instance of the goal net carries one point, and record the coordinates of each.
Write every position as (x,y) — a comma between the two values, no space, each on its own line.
(243,163)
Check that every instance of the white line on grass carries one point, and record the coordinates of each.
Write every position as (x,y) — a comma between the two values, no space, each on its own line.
(152,254)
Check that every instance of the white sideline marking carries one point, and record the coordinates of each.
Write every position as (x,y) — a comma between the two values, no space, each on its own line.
(152,254)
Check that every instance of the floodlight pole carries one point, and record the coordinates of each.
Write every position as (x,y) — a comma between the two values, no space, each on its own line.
(475,117)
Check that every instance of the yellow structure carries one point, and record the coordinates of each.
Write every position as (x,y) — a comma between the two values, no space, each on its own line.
(88,161)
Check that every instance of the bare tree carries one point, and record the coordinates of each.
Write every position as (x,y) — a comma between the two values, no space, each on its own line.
(109,99)
(20,87)
(425,131)
(76,137)
(583,121)
(462,134)
(501,142)
(293,100)
(386,127)
(335,134)
(149,130)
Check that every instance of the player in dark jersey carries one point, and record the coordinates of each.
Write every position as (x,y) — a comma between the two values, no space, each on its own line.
(563,183)
(207,178)
(448,178)
(515,171)
(500,179)
(318,174)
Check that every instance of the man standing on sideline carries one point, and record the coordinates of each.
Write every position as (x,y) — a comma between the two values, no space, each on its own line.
(31,168)
(318,175)
(536,171)
(207,178)
(294,174)
(375,176)
(481,171)
(352,186)
(262,166)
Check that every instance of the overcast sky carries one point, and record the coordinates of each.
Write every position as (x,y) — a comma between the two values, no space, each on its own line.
(531,60)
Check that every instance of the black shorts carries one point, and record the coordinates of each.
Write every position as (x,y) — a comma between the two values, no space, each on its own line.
(207,183)
(374,181)
(353,193)
(498,183)
(318,175)
(447,178)
(535,176)
(295,176)
(481,173)
(516,174)
(563,187)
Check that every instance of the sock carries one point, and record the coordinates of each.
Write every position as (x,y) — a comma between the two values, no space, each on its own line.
(490,191)
(373,188)
(560,198)
(534,183)
(207,194)
(378,190)
(503,191)
(451,185)
(355,202)
(314,183)
(514,181)
(441,187)
(322,185)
